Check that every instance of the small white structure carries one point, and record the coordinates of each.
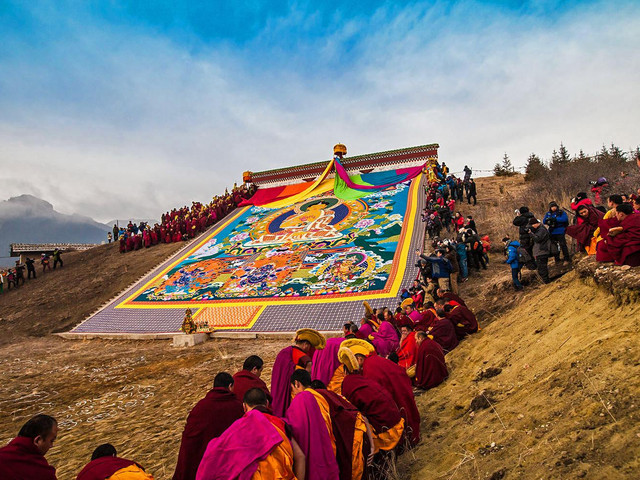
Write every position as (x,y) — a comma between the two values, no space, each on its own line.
(189,340)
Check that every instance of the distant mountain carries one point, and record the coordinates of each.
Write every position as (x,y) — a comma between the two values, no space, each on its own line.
(28,219)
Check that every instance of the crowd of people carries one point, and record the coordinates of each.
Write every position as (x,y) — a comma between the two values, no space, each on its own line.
(610,233)
(337,408)
(15,277)
(179,224)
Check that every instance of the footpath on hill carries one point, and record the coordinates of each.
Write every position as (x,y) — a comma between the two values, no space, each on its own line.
(547,389)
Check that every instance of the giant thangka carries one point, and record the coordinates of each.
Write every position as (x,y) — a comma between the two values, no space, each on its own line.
(299,253)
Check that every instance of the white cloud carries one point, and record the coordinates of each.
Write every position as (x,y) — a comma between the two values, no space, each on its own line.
(114,122)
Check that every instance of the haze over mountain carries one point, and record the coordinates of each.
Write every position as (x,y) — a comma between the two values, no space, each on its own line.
(28,219)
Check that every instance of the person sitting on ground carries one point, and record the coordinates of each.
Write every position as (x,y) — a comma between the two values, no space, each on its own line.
(586,231)
(249,377)
(406,351)
(297,356)
(375,403)
(393,379)
(24,457)
(106,465)
(464,320)
(310,420)
(450,297)
(612,202)
(430,367)
(443,332)
(209,419)
(541,247)
(385,339)
(256,447)
(622,239)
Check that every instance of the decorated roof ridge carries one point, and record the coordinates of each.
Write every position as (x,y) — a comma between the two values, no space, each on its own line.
(346,160)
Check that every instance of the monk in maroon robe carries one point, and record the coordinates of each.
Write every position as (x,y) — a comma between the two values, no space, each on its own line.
(442,331)
(249,377)
(394,379)
(23,458)
(105,463)
(450,297)
(623,237)
(463,320)
(209,419)
(431,369)
(377,405)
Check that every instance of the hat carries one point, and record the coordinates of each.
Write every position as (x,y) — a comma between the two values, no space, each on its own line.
(348,359)
(411,371)
(533,221)
(553,204)
(358,346)
(407,302)
(315,338)
(367,307)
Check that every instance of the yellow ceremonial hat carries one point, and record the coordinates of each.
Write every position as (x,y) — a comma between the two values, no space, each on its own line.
(348,359)
(367,307)
(358,346)
(406,302)
(315,338)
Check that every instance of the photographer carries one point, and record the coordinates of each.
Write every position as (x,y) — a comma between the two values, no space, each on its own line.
(523,216)
(557,221)
(441,267)
(541,247)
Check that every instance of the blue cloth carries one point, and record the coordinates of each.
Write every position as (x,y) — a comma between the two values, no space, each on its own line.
(562,221)
(512,255)
(441,266)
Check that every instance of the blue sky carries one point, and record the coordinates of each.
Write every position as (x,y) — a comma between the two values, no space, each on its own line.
(126,109)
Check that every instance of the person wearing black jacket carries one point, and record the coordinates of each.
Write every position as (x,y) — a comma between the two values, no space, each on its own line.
(471,192)
(31,269)
(475,249)
(522,222)
(541,247)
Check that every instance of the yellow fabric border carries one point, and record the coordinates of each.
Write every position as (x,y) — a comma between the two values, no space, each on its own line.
(308,192)
(399,265)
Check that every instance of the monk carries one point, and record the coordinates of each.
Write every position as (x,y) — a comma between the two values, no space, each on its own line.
(375,403)
(310,421)
(255,447)
(386,338)
(249,377)
(450,297)
(393,378)
(431,369)
(442,331)
(428,316)
(209,419)
(326,366)
(23,458)
(105,464)
(297,356)
(463,320)
(622,237)
(407,349)
(352,432)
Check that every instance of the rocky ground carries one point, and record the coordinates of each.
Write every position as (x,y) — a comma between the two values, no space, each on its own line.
(547,389)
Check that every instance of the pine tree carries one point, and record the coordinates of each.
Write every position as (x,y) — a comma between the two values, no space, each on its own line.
(563,155)
(535,168)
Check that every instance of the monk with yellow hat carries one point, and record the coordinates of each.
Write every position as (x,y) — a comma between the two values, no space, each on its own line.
(297,356)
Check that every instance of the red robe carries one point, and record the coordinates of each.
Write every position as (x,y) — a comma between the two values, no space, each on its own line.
(21,460)
(372,400)
(624,248)
(431,369)
(103,467)
(209,419)
(395,380)
(463,320)
(428,317)
(443,332)
(407,351)
(453,299)
(343,420)
(244,380)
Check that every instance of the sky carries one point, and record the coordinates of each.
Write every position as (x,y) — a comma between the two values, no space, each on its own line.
(119,109)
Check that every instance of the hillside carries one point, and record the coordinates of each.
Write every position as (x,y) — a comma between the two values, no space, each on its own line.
(28,219)
(547,389)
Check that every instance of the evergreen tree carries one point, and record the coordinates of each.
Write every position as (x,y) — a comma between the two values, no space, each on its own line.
(506,164)
(563,155)
(535,168)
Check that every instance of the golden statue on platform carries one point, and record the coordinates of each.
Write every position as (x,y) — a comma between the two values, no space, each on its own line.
(188,326)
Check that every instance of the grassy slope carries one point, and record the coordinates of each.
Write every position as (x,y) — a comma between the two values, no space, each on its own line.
(136,395)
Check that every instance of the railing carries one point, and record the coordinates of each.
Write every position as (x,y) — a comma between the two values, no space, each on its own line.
(18,248)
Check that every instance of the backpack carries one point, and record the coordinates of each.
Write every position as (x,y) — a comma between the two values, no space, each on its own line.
(523,256)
